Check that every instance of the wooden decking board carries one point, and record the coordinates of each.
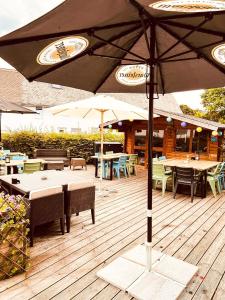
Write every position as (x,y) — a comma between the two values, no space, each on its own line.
(220,291)
(65,266)
(184,230)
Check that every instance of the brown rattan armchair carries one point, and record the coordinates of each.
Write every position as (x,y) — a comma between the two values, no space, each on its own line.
(79,197)
(46,205)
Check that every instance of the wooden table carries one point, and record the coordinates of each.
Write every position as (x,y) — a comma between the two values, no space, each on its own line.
(12,165)
(109,158)
(198,165)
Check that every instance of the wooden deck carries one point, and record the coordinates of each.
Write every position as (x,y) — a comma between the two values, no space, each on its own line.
(64,267)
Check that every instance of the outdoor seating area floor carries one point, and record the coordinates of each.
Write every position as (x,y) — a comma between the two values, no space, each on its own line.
(65,266)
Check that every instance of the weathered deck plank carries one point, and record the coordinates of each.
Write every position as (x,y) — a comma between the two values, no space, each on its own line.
(64,267)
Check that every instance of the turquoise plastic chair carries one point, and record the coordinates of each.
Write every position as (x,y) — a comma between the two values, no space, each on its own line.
(105,165)
(159,174)
(213,179)
(120,165)
(162,157)
(221,176)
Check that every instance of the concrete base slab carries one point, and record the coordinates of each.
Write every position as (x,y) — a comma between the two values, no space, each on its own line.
(121,273)
(167,280)
(153,286)
(138,255)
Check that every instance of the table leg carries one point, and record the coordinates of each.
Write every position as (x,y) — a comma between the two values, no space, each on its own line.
(111,169)
(96,167)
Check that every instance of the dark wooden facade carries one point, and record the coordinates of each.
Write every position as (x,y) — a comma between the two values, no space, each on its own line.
(169,138)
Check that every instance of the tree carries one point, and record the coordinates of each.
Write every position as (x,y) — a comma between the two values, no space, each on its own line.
(187,110)
(213,101)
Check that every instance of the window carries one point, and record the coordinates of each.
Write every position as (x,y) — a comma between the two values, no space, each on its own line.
(183,140)
(200,141)
(158,136)
(140,137)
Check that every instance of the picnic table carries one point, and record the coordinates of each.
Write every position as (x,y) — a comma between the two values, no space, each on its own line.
(13,164)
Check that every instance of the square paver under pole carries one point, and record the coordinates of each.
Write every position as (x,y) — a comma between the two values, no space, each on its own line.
(168,278)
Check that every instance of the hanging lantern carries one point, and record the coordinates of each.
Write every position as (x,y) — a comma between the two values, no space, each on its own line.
(120,123)
(183,124)
(220,133)
(214,133)
(199,129)
(169,119)
(109,126)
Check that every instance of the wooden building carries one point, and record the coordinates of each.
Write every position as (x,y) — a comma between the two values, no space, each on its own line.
(175,136)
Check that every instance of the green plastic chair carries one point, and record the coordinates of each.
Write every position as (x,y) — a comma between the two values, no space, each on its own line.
(222,176)
(31,167)
(213,179)
(159,174)
(132,164)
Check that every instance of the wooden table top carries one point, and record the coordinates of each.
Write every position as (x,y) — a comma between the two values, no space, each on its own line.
(201,165)
(41,180)
(21,162)
(111,156)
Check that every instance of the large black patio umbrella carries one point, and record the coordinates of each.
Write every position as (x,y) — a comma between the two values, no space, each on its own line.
(124,46)
(12,108)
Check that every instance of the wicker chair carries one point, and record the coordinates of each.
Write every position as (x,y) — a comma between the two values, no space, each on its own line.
(46,205)
(79,197)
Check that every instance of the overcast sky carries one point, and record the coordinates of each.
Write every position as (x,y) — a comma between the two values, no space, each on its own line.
(17,13)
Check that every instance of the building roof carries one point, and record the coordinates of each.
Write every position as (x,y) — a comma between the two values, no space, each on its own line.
(211,125)
(15,88)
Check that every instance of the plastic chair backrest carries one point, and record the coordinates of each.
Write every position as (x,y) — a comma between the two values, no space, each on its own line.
(31,167)
(109,152)
(17,157)
(162,157)
(122,160)
(6,152)
(133,158)
(155,159)
(217,170)
(184,174)
(158,169)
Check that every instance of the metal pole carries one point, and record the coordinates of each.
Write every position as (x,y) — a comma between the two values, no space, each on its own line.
(101,149)
(150,138)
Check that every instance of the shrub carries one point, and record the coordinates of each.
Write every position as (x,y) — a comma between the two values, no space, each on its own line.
(14,245)
(79,144)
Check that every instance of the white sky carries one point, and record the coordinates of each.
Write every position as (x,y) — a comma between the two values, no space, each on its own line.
(17,13)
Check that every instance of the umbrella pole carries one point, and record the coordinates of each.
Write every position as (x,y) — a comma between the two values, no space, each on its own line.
(150,138)
(101,148)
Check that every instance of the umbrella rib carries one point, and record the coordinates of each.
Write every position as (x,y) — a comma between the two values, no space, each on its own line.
(202,55)
(67,61)
(115,115)
(202,30)
(84,116)
(181,39)
(198,48)
(116,65)
(118,47)
(63,33)
(113,57)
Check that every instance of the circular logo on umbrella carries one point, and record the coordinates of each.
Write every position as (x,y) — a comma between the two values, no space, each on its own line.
(218,54)
(133,74)
(189,5)
(62,49)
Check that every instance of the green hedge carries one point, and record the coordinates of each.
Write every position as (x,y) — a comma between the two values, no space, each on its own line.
(81,145)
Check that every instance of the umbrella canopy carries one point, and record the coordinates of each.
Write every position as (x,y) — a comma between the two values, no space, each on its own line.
(90,108)
(67,45)
(9,107)
(104,108)
(125,46)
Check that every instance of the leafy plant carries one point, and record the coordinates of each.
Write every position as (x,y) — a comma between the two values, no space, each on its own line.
(14,245)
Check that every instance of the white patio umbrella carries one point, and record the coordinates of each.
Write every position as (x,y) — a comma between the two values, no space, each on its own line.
(104,108)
